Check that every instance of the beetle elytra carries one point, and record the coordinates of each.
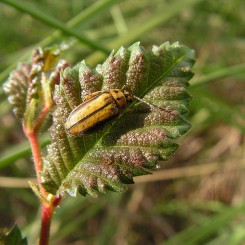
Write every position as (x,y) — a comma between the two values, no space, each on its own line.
(97,109)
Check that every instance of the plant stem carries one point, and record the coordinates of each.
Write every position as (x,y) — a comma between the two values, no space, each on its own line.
(48,206)
(41,117)
(36,153)
(47,213)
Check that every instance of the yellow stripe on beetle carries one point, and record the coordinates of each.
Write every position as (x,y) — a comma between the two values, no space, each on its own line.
(96,111)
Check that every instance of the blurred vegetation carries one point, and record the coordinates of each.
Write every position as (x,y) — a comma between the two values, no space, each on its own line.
(197,197)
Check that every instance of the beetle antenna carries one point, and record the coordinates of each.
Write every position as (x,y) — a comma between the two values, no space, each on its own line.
(167,109)
(146,102)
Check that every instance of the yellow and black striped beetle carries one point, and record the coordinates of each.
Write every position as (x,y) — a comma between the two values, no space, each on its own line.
(97,109)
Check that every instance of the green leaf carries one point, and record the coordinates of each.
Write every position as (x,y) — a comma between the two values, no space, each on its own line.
(30,113)
(138,138)
(12,237)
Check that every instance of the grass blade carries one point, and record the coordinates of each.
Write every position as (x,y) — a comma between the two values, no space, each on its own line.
(50,21)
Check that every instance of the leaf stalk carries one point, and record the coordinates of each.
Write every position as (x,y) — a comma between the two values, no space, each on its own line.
(49,203)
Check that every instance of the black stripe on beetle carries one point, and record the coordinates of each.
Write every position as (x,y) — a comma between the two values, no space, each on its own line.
(97,111)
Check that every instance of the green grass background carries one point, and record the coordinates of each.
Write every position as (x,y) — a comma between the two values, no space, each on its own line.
(197,197)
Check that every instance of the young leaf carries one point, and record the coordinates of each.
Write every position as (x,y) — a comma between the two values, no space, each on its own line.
(12,237)
(134,141)
(30,86)
(16,88)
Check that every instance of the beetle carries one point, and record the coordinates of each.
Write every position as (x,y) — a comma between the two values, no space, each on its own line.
(97,109)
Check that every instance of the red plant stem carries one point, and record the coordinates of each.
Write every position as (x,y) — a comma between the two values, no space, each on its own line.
(35,147)
(49,206)
(47,213)
(36,153)
(41,117)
